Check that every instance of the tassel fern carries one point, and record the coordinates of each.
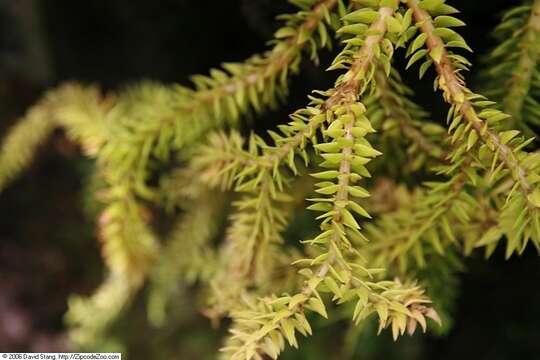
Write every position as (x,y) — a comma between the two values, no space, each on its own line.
(513,76)
(379,248)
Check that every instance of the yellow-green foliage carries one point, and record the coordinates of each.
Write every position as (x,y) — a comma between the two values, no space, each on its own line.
(186,261)
(512,77)
(347,140)
(77,109)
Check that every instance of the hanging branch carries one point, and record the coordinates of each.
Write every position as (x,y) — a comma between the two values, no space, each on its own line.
(80,110)
(519,217)
(262,329)
(452,84)
(407,134)
(250,78)
(513,75)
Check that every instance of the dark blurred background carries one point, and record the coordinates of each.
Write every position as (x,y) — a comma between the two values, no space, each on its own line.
(47,243)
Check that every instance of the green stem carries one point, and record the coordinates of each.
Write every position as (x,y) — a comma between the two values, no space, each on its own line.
(520,82)
(275,61)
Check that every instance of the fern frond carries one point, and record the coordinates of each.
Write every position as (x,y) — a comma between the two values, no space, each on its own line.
(473,118)
(89,318)
(253,257)
(260,81)
(256,225)
(262,330)
(407,134)
(128,245)
(258,177)
(408,241)
(219,160)
(20,146)
(187,254)
(158,120)
(82,114)
(129,249)
(268,323)
(50,112)
(514,73)
(451,214)
(421,225)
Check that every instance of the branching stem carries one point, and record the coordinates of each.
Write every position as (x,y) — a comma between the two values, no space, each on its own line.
(455,93)
(520,82)
(395,111)
(346,92)
(277,60)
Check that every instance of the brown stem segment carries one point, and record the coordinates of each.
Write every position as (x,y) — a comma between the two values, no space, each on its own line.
(456,93)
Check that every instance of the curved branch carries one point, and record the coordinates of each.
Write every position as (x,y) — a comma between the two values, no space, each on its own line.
(397,107)
(270,65)
(520,81)
(455,92)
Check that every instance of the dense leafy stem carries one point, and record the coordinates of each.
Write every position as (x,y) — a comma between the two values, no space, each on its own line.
(263,329)
(473,118)
(512,76)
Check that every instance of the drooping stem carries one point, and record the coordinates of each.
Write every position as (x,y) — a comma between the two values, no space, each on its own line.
(346,92)
(456,94)
(273,63)
(520,81)
(395,110)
